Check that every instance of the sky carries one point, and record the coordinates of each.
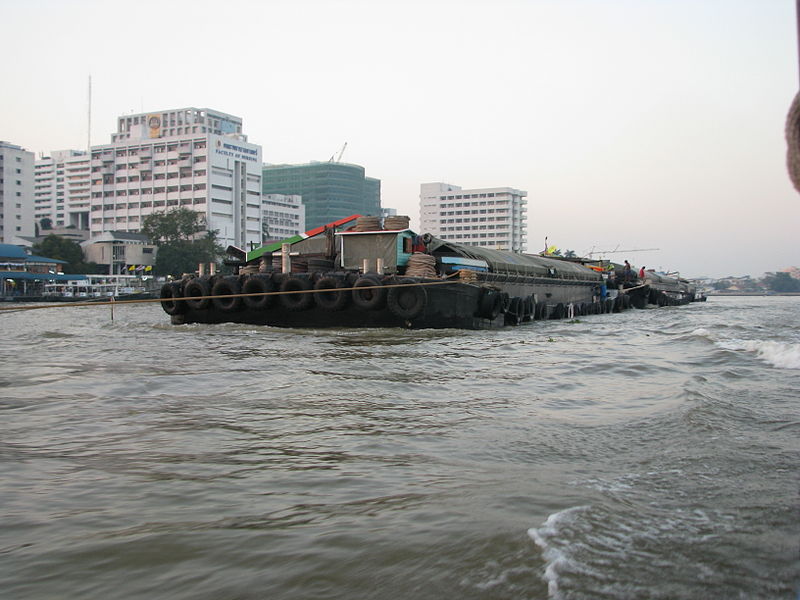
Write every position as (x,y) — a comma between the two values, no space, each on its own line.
(632,124)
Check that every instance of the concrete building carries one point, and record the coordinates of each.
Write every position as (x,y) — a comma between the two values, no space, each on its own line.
(62,189)
(282,216)
(195,158)
(16,193)
(489,217)
(330,190)
(120,252)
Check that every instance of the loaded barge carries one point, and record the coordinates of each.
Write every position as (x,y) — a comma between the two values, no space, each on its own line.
(356,273)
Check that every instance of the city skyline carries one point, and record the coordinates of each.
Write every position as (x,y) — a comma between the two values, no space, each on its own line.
(630,124)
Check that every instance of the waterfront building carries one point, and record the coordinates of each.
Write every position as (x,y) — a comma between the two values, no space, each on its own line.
(121,252)
(23,274)
(196,158)
(330,190)
(490,217)
(282,216)
(62,189)
(16,193)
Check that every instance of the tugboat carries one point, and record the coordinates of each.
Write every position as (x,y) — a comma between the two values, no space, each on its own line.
(359,272)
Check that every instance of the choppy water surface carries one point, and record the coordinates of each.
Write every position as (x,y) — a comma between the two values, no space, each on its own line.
(652,454)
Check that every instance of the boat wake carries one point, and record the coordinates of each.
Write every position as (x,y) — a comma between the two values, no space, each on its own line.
(557,557)
(779,354)
(783,355)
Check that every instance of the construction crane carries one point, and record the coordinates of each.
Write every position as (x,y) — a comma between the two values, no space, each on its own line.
(339,157)
(615,251)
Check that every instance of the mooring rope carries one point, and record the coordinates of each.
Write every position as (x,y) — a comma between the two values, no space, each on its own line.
(181,298)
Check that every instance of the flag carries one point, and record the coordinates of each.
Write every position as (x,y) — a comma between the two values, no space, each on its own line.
(148,268)
(131,268)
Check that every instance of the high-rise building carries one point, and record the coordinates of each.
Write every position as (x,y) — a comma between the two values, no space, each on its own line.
(195,158)
(282,217)
(330,190)
(16,193)
(490,217)
(62,189)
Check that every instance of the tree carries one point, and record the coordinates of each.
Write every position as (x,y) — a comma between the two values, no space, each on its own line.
(181,248)
(54,246)
(46,223)
(782,282)
(569,254)
(721,284)
(178,224)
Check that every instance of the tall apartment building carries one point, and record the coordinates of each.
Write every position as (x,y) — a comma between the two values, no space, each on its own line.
(195,158)
(62,189)
(282,216)
(16,193)
(490,217)
(330,190)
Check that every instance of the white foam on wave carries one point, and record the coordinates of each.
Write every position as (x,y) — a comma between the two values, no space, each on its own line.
(783,355)
(702,332)
(556,560)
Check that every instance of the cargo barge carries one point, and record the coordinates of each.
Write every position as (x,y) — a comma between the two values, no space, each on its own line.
(363,275)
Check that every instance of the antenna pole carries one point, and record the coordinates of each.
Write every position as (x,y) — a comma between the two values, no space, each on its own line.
(797,15)
(89,119)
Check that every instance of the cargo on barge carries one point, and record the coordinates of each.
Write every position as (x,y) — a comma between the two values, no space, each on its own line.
(343,275)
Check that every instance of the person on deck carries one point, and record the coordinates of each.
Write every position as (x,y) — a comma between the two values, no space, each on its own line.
(627,272)
(641,273)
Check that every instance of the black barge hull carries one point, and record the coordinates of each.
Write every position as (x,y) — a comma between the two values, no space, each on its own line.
(327,300)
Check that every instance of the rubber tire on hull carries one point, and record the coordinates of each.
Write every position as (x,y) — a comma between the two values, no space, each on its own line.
(258,284)
(296,302)
(227,287)
(169,293)
(197,287)
(370,299)
(407,303)
(543,310)
(512,315)
(529,309)
(490,304)
(558,311)
(331,300)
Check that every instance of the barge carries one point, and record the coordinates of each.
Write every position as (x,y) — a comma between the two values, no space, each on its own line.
(345,275)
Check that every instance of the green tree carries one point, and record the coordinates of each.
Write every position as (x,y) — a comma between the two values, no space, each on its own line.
(46,223)
(176,225)
(569,254)
(182,240)
(782,282)
(54,246)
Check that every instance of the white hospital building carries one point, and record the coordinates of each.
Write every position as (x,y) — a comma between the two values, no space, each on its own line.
(489,217)
(16,193)
(283,216)
(197,158)
(62,191)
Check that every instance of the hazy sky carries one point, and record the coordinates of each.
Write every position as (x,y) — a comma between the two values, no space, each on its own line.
(631,124)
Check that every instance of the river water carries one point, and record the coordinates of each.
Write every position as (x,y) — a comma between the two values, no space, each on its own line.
(649,454)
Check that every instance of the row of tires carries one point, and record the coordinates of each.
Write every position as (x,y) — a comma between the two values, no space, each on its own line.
(660,298)
(297,293)
(517,310)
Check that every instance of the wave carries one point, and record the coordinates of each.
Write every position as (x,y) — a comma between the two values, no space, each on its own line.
(556,559)
(783,355)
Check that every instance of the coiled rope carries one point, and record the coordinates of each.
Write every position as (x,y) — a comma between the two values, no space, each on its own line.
(793,142)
